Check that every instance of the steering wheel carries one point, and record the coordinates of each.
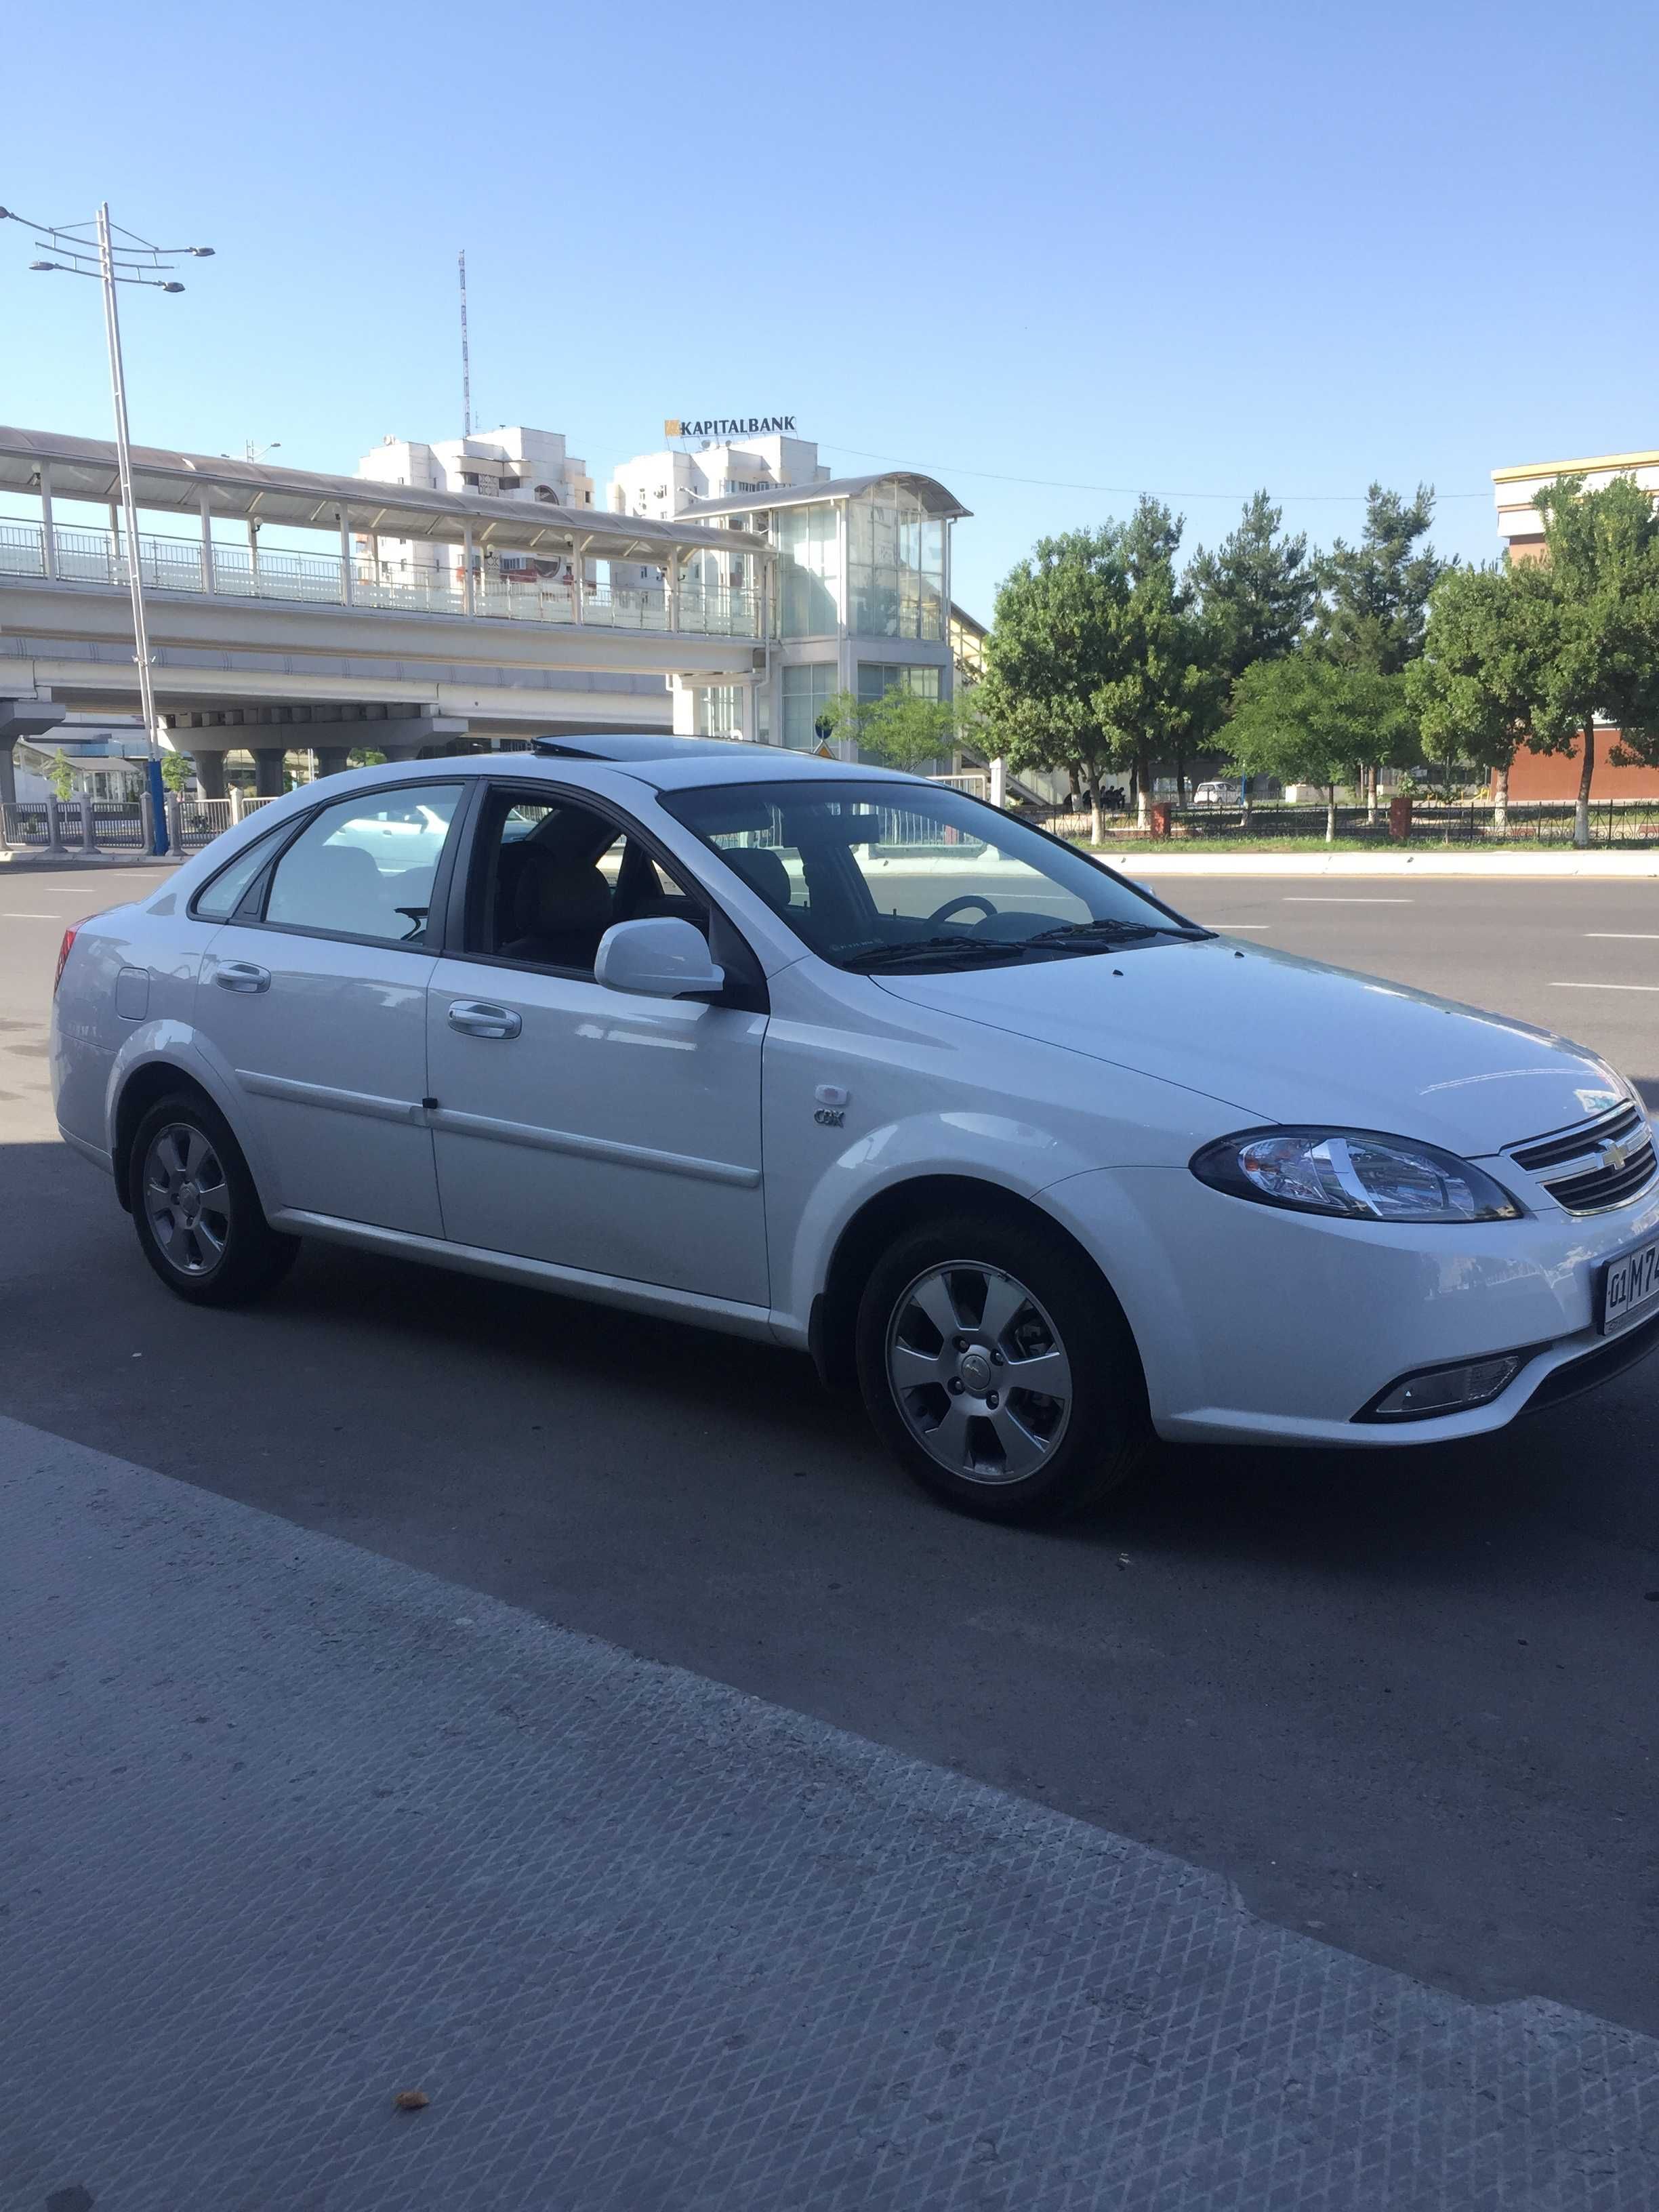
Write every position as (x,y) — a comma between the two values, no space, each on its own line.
(955,906)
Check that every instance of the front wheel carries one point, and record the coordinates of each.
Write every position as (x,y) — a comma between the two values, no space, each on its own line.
(1000,1370)
(197,1214)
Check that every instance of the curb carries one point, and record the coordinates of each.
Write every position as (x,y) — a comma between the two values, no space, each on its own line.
(1545,867)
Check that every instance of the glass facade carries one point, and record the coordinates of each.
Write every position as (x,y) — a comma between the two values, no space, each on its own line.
(807,690)
(895,566)
(809,570)
(717,711)
(877,677)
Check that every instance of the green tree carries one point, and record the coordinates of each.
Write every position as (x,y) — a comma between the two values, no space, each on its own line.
(1473,690)
(61,776)
(1374,608)
(177,770)
(365,756)
(1058,636)
(1165,697)
(901,729)
(1257,590)
(1306,718)
(1601,570)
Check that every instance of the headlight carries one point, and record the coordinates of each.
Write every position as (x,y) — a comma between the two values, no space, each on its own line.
(1356,1173)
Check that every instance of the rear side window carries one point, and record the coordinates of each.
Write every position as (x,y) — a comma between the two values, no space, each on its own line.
(363,867)
(222,894)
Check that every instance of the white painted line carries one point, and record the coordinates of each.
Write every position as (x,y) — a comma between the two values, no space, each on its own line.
(1232,928)
(16,914)
(1322,898)
(1627,936)
(1604,987)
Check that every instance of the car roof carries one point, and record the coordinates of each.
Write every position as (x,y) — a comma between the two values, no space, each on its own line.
(666,763)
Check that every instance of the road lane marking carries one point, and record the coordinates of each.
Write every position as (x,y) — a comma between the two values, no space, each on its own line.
(1323,898)
(1233,928)
(1627,936)
(1604,987)
(16,914)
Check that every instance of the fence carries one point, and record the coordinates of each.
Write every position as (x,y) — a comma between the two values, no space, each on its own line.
(186,564)
(1530,822)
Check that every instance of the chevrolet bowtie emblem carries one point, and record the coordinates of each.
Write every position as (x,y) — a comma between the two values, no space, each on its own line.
(1614,1157)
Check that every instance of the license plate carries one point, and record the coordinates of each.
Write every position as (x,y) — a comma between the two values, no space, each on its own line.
(1630,1287)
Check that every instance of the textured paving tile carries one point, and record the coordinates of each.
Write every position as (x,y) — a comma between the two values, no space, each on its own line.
(286,1828)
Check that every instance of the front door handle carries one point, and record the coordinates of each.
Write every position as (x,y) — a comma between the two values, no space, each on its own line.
(241,976)
(477,1018)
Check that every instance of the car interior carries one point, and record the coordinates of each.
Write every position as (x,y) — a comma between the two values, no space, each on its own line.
(556,876)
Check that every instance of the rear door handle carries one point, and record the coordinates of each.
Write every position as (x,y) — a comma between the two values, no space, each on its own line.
(241,976)
(477,1018)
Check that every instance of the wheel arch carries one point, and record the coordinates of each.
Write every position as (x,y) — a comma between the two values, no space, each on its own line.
(151,1080)
(888,1213)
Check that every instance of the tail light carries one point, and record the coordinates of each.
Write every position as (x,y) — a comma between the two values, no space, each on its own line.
(69,935)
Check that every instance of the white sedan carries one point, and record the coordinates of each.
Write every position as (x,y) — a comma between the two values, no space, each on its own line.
(849,1061)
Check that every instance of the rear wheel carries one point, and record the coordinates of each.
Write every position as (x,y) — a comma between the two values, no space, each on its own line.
(198,1217)
(999,1369)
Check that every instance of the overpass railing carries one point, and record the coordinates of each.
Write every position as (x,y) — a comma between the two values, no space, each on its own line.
(186,564)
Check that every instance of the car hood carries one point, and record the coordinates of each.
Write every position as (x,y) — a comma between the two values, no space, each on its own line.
(1289,1040)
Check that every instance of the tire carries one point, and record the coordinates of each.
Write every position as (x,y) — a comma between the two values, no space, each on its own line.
(199,1220)
(1000,1448)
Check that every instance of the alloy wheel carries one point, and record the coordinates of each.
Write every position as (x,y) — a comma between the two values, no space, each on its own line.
(186,1199)
(979,1373)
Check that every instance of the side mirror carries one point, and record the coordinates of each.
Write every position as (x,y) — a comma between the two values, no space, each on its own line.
(659,958)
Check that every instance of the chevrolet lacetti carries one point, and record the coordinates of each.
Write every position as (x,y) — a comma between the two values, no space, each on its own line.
(846,1060)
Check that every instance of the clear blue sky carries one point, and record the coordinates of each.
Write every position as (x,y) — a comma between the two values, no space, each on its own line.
(1191,248)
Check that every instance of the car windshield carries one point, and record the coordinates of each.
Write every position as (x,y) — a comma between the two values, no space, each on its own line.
(878,876)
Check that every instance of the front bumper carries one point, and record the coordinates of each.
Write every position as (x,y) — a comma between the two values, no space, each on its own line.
(1258,1325)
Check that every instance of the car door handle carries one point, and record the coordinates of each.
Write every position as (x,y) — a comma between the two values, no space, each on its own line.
(241,976)
(477,1018)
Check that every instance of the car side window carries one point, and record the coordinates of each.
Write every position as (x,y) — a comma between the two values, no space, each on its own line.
(551,876)
(219,899)
(364,867)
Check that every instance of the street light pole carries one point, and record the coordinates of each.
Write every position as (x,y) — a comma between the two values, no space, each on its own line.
(129,510)
(133,260)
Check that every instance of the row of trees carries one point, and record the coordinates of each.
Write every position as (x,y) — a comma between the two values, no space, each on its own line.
(1105,656)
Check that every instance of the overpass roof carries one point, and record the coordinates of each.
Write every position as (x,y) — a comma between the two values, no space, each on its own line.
(928,489)
(176,483)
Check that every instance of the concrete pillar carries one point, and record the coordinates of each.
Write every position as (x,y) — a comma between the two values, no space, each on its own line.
(88,828)
(332,760)
(210,774)
(8,773)
(403,737)
(48,532)
(22,718)
(268,770)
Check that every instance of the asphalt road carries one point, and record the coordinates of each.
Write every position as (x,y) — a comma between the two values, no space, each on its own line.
(1406,1703)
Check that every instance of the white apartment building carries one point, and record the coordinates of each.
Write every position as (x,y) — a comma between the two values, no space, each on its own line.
(682,478)
(514,463)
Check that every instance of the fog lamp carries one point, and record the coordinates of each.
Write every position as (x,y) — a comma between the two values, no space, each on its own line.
(1451,1390)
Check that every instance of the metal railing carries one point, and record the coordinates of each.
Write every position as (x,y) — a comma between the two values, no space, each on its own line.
(1530,822)
(186,564)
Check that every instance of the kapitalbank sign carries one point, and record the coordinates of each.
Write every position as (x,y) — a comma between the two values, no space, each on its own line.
(729,426)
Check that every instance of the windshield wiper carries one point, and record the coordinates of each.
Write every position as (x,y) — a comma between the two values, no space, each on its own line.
(1119,931)
(936,948)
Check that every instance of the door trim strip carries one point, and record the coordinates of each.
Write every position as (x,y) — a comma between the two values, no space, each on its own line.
(592,1148)
(325,1094)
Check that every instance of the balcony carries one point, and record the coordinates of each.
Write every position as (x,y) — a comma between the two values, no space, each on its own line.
(97,558)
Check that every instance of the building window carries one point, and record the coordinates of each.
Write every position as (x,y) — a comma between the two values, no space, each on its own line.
(718,711)
(546,493)
(807,690)
(878,676)
(810,570)
(895,566)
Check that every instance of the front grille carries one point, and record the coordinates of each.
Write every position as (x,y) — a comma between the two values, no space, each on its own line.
(1596,1182)
(1600,1187)
(1578,1144)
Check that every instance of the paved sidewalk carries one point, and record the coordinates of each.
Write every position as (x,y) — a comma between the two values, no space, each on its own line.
(288,1827)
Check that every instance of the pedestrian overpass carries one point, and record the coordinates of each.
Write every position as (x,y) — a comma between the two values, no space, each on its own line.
(547,616)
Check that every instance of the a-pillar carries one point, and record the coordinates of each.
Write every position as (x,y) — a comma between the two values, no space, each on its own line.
(332,760)
(209,772)
(268,770)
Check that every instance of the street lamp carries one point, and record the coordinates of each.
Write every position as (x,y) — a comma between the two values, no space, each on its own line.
(133,260)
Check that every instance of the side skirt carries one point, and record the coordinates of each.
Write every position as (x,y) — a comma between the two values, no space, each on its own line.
(728,1314)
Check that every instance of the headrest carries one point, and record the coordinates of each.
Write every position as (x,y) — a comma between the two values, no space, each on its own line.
(554,896)
(763,871)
